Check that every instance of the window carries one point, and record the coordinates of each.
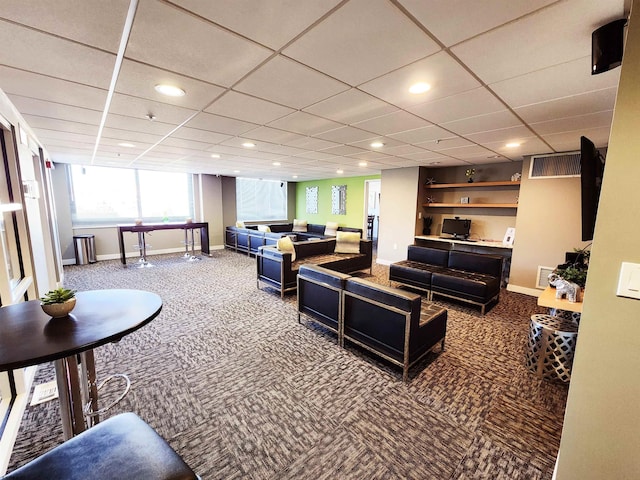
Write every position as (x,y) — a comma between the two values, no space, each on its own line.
(261,199)
(117,195)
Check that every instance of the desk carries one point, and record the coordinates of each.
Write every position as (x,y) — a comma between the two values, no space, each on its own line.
(30,337)
(149,227)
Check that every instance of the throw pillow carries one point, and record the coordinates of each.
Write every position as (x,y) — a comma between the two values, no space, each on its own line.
(331,228)
(299,225)
(286,245)
(240,224)
(347,242)
(264,228)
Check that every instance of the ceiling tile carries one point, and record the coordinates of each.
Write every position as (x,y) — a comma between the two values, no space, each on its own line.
(553,35)
(262,21)
(138,124)
(141,107)
(26,84)
(139,80)
(424,134)
(391,123)
(468,152)
(471,103)
(31,106)
(577,123)
(94,22)
(442,72)
(444,143)
(289,83)
(471,17)
(216,123)
(348,45)
(346,135)
(227,60)
(502,135)
(570,141)
(36,123)
(558,81)
(37,52)
(250,109)
(529,146)
(273,135)
(491,121)
(200,135)
(582,104)
(350,107)
(304,124)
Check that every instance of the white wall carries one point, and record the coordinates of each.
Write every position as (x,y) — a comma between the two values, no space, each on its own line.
(601,435)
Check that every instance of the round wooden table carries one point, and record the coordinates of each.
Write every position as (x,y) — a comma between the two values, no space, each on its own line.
(30,337)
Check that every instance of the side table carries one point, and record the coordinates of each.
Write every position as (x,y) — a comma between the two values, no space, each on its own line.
(551,346)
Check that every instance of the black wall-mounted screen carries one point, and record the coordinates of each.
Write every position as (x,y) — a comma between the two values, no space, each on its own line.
(606,46)
(457,227)
(591,172)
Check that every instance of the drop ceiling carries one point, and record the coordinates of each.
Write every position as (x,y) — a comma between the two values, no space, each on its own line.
(310,83)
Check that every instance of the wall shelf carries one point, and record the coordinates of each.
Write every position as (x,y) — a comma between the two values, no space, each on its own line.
(472,185)
(471,205)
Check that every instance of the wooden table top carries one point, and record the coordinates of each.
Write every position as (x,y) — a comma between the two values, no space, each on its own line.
(548,299)
(30,337)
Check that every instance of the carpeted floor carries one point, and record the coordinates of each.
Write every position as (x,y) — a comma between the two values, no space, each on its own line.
(242,391)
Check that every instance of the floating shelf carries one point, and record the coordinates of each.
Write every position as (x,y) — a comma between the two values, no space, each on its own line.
(471,205)
(472,185)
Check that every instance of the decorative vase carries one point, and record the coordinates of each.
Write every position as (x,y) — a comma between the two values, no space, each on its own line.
(470,180)
(58,310)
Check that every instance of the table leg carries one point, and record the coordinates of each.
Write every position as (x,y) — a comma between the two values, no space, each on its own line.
(69,393)
(89,387)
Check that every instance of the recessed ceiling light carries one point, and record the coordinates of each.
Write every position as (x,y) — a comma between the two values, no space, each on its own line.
(276,164)
(362,164)
(294,176)
(215,155)
(248,144)
(170,90)
(126,144)
(377,144)
(236,171)
(512,145)
(419,87)
(339,172)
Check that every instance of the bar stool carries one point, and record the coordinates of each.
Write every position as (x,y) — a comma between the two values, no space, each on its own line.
(187,243)
(142,248)
(193,257)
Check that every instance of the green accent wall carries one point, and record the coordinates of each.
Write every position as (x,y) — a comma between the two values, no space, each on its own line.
(355,201)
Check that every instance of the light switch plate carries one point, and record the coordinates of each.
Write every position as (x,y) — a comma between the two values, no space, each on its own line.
(629,281)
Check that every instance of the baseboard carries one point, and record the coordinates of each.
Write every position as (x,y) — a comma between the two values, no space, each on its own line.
(534,292)
(116,256)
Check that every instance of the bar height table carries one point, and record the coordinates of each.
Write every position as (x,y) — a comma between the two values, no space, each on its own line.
(150,227)
(30,337)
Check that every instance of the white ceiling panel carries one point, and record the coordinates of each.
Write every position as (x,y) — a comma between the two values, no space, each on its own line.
(571,124)
(250,109)
(94,22)
(304,123)
(471,103)
(444,75)
(273,135)
(289,83)
(26,84)
(262,21)
(570,141)
(157,22)
(141,107)
(133,124)
(424,134)
(444,143)
(200,135)
(556,34)
(52,124)
(391,123)
(529,146)
(216,123)
(346,135)
(350,107)
(583,104)
(348,46)
(138,80)
(38,52)
(503,135)
(481,123)
(31,106)
(472,17)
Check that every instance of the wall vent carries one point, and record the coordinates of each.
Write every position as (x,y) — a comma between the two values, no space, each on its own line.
(555,165)
(543,277)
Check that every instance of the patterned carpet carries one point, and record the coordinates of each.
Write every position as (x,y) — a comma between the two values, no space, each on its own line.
(242,391)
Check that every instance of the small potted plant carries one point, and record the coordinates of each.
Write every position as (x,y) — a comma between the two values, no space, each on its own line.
(59,302)
(470,172)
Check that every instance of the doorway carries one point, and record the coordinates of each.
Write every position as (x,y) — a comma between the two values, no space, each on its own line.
(372,209)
